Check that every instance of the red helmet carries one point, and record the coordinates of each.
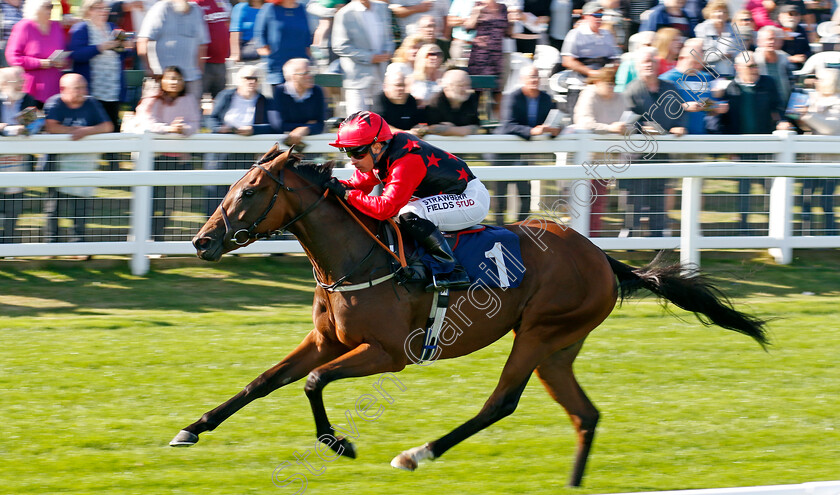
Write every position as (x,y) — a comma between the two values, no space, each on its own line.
(361,129)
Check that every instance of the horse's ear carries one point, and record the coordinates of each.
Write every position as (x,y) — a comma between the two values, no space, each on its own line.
(270,154)
(330,165)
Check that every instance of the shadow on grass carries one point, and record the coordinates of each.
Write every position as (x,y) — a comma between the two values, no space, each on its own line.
(747,273)
(34,287)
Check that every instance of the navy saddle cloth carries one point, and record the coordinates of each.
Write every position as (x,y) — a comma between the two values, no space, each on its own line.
(490,255)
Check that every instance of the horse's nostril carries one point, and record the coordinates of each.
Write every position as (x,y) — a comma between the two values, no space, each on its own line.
(201,243)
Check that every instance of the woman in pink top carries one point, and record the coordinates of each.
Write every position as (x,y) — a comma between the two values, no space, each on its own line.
(171,111)
(34,43)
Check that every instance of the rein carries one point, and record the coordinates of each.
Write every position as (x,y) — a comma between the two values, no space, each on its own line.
(401,257)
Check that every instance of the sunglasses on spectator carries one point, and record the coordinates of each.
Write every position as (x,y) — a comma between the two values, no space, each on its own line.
(250,78)
(597,15)
(434,54)
(357,152)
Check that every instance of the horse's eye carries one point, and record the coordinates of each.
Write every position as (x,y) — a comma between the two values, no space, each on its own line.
(248,193)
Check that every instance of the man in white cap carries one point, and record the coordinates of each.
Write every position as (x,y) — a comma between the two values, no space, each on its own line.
(588,47)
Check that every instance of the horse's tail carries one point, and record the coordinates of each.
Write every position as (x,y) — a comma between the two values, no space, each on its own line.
(691,291)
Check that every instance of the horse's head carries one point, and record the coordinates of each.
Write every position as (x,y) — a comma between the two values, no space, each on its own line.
(255,206)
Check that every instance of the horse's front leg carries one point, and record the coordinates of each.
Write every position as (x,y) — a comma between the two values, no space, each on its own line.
(366,359)
(309,354)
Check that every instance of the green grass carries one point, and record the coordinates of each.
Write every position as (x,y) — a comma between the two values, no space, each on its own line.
(99,369)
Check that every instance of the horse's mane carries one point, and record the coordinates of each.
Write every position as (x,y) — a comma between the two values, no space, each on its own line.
(316,173)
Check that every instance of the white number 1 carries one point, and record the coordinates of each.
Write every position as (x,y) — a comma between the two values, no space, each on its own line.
(497,255)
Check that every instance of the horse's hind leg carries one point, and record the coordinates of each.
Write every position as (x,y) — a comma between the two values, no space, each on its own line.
(524,357)
(558,378)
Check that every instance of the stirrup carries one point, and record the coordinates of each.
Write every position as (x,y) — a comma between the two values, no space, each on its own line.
(458,279)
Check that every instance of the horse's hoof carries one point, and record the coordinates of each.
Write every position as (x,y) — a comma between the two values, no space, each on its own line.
(349,448)
(404,461)
(184,438)
(409,459)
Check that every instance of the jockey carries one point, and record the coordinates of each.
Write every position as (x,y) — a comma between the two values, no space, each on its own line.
(431,190)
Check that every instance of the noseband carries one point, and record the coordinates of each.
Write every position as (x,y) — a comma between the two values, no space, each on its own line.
(244,236)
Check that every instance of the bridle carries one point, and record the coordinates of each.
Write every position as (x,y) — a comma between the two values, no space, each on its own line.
(244,236)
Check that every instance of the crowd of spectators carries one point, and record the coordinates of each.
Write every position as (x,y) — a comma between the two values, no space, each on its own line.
(730,67)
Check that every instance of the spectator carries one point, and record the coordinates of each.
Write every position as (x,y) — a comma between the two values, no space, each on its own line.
(772,61)
(754,104)
(754,108)
(405,56)
(599,110)
(396,105)
(174,34)
(462,38)
(243,111)
(425,83)
(615,22)
(670,14)
(37,45)
(720,44)
(299,103)
(761,11)
(694,87)
(535,17)
(171,111)
(243,45)
(822,117)
(524,114)
(560,22)
(588,47)
(668,43)
(431,30)
(217,18)
(73,112)
(795,37)
(282,33)
(453,111)
(627,69)
(12,101)
(98,57)
(745,29)
(634,9)
(363,41)
(325,11)
(489,19)
(11,11)
(662,112)
(409,12)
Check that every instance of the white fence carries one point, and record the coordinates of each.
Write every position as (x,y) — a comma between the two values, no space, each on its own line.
(570,152)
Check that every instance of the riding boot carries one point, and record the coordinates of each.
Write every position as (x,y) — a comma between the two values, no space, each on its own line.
(428,236)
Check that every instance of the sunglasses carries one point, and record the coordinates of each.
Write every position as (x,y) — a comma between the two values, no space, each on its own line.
(597,15)
(250,78)
(357,152)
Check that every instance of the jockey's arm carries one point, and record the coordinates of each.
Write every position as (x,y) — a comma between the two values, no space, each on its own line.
(404,177)
(364,182)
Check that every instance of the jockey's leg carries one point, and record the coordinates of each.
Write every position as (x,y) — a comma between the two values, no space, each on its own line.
(454,277)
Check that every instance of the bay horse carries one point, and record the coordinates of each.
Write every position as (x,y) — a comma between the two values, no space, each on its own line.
(569,287)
